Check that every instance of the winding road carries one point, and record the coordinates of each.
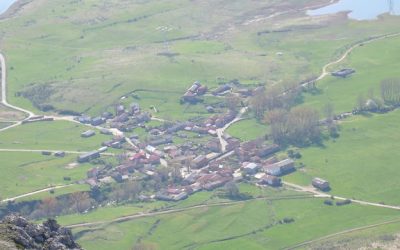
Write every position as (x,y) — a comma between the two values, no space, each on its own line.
(325,68)
(4,89)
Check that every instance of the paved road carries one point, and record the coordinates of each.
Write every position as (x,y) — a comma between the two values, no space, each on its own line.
(221,131)
(35,192)
(51,151)
(325,68)
(4,89)
(320,194)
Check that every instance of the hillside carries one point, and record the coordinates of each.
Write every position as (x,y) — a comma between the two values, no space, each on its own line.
(211,124)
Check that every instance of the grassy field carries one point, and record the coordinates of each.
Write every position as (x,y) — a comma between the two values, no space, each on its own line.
(361,163)
(247,130)
(27,172)
(7,114)
(234,227)
(106,49)
(57,135)
(373,62)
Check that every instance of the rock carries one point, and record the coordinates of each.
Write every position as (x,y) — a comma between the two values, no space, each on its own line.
(17,232)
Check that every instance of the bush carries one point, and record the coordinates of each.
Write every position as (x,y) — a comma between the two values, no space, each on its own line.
(342,203)
(287,220)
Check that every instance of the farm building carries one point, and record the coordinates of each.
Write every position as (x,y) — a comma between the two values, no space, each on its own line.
(97,121)
(320,184)
(88,133)
(251,168)
(88,156)
(270,180)
(280,168)
(343,73)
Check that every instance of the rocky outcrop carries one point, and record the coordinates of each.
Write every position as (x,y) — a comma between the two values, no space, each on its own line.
(18,233)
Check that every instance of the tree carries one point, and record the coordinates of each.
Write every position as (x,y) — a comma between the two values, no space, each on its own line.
(390,91)
(304,125)
(258,103)
(299,126)
(232,102)
(49,207)
(361,101)
(329,112)
(80,201)
(278,121)
(231,190)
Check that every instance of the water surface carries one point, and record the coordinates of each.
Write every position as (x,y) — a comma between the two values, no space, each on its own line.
(360,9)
(5,4)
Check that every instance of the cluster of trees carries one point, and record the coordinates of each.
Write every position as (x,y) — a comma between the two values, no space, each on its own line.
(298,126)
(39,95)
(77,202)
(282,96)
(389,98)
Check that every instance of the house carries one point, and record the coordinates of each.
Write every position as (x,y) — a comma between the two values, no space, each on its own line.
(321,184)
(119,109)
(280,168)
(84,119)
(88,156)
(143,118)
(343,73)
(105,131)
(92,173)
(59,154)
(251,168)
(134,108)
(107,115)
(217,183)
(180,196)
(88,133)
(124,117)
(210,109)
(177,127)
(199,161)
(270,180)
(221,89)
(161,141)
(267,150)
(97,121)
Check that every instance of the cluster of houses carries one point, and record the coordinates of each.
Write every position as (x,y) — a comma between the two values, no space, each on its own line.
(202,164)
(124,119)
(194,92)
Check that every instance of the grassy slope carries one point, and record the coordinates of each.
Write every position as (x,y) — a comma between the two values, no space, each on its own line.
(109,48)
(58,135)
(200,228)
(362,163)
(373,62)
(27,172)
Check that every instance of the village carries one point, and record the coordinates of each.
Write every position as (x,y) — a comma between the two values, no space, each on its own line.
(208,159)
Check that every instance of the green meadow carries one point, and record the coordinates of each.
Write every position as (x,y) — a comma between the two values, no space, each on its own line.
(373,63)
(56,135)
(251,225)
(89,53)
(28,172)
(362,163)
(248,130)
